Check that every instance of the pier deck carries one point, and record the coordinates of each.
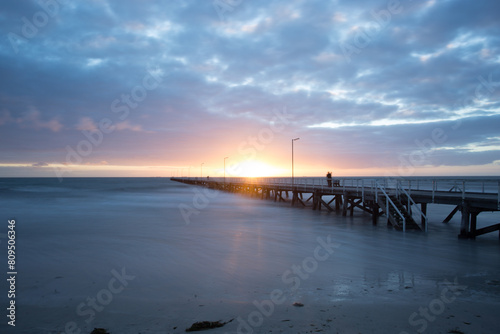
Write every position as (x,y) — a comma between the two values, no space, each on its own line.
(403,202)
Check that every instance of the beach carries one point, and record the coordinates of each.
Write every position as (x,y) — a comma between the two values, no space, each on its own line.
(120,254)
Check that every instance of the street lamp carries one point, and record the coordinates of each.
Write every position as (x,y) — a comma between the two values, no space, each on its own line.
(225,170)
(292,160)
(201,170)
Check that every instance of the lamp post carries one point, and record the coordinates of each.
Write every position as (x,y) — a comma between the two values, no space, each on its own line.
(292,161)
(201,170)
(225,171)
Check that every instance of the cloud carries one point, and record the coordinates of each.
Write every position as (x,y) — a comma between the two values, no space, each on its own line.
(40,164)
(127,126)
(86,124)
(32,119)
(433,65)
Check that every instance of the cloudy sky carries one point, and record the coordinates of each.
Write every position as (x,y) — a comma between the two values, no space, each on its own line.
(158,88)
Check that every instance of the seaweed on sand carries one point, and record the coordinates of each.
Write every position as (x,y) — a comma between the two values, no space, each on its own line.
(99,331)
(204,325)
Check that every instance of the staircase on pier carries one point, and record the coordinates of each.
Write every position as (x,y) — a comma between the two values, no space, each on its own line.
(397,214)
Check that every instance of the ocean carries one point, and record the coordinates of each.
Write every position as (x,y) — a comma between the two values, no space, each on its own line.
(149,255)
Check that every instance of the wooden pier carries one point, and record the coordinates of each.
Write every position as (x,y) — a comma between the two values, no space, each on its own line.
(402,202)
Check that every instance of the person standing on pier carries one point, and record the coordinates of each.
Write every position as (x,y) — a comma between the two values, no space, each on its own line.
(329,178)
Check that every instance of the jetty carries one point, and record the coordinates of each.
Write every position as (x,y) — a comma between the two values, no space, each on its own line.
(402,202)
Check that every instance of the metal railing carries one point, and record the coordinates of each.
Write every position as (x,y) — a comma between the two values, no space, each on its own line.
(387,202)
(411,202)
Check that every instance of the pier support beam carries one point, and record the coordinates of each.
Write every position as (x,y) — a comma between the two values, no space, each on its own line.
(344,206)
(278,196)
(321,201)
(375,213)
(473,225)
(356,204)
(296,198)
(423,209)
(464,227)
(488,229)
(338,202)
(452,213)
(316,196)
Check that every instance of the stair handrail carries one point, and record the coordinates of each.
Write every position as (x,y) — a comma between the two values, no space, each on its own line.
(389,200)
(412,202)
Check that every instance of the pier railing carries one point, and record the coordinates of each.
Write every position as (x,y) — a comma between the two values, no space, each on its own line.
(412,206)
(388,201)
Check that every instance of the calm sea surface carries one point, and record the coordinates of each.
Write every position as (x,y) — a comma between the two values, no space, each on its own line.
(186,246)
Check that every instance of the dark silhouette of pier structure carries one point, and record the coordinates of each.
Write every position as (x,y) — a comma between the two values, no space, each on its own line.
(402,202)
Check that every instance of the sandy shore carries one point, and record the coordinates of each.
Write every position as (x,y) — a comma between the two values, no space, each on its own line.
(346,317)
(466,305)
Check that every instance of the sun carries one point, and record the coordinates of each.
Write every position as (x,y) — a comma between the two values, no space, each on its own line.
(253,168)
